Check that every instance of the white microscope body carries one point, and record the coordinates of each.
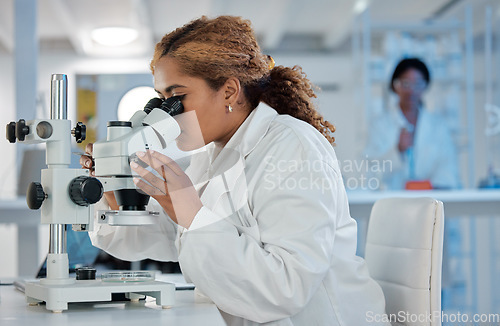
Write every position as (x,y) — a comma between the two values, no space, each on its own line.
(155,129)
(66,196)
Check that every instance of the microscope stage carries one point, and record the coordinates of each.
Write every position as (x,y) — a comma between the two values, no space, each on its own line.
(130,218)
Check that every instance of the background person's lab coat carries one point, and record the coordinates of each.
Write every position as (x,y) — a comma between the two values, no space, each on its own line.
(274,240)
(434,152)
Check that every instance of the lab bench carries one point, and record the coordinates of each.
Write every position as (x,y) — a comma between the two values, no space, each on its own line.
(16,312)
(472,202)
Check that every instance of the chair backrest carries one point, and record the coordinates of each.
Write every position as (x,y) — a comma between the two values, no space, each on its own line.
(404,249)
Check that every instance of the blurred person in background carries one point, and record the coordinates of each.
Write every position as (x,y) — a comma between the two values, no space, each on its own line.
(414,139)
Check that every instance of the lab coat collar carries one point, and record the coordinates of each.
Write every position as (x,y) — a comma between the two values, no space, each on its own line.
(224,170)
(252,130)
(403,122)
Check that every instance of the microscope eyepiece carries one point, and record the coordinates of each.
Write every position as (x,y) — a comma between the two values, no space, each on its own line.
(153,103)
(171,105)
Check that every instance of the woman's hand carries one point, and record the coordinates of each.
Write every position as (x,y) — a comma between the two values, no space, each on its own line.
(171,188)
(405,140)
(87,162)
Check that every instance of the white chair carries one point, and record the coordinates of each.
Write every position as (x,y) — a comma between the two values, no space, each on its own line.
(404,249)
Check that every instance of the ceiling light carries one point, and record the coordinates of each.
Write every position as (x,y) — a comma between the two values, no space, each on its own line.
(114,36)
(360,6)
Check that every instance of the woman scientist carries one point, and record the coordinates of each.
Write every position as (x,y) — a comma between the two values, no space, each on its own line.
(262,224)
(416,141)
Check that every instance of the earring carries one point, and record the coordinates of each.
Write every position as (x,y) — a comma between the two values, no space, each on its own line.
(229,108)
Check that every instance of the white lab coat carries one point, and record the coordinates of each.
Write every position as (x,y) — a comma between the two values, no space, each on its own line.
(434,150)
(274,242)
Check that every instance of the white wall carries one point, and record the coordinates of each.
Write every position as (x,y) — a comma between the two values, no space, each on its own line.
(340,107)
(8,181)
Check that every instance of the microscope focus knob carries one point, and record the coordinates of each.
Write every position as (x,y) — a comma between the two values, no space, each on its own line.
(80,132)
(35,195)
(22,130)
(85,190)
(11,132)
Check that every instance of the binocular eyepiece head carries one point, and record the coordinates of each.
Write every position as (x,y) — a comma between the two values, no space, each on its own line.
(132,199)
(171,105)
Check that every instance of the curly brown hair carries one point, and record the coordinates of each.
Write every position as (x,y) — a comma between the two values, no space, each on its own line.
(223,47)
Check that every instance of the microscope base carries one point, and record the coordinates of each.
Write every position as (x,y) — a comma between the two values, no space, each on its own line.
(57,297)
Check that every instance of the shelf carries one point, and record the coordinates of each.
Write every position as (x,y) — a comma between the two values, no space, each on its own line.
(418,28)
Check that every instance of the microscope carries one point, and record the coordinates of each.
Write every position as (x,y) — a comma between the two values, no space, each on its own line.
(66,195)
(151,128)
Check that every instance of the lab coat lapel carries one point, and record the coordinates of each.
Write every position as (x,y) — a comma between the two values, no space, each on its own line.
(228,168)
(222,181)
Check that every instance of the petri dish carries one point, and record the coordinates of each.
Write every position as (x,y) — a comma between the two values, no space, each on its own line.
(127,276)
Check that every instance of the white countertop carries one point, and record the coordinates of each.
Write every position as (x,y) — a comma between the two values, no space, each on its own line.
(14,311)
(473,202)
(465,195)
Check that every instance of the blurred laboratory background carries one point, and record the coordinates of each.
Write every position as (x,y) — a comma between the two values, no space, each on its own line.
(348,48)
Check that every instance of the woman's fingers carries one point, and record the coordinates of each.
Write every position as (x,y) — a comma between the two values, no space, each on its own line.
(163,170)
(147,188)
(156,182)
(155,159)
(86,161)
(89,149)
(169,185)
(153,162)
(168,162)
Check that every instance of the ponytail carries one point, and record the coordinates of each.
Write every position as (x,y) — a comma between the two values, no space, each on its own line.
(288,91)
